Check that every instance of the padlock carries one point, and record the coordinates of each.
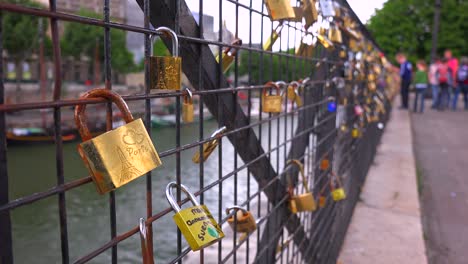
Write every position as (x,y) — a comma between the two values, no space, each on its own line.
(145,248)
(343,54)
(291,92)
(358,110)
(310,13)
(372,86)
(304,50)
(187,107)
(301,202)
(279,9)
(344,128)
(196,223)
(297,96)
(337,8)
(229,55)
(338,193)
(334,34)
(271,103)
(298,14)
(331,104)
(209,146)
(353,34)
(273,37)
(166,71)
(326,43)
(245,220)
(322,201)
(117,156)
(324,164)
(356,133)
(353,45)
(371,77)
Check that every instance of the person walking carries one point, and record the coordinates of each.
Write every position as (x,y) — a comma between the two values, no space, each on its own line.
(405,74)
(461,84)
(434,82)
(453,65)
(420,83)
(444,76)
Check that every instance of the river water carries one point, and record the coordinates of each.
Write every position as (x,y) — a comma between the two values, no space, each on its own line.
(36,231)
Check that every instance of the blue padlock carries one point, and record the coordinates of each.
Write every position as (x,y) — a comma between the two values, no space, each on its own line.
(331,106)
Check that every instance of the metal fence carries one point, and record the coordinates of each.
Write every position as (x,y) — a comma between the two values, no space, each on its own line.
(254,174)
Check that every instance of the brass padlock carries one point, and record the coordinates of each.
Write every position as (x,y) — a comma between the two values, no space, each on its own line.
(338,193)
(245,221)
(326,43)
(228,55)
(279,9)
(343,54)
(295,93)
(301,202)
(187,107)
(145,248)
(166,71)
(273,37)
(356,132)
(310,13)
(372,86)
(209,146)
(196,223)
(353,45)
(298,14)
(117,156)
(334,34)
(271,103)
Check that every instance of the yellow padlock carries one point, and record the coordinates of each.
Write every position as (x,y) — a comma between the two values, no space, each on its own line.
(310,13)
(166,71)
(209,146)
(338,193)
(292,93)
(271,103)
(145,248)
(187,107)
(279,9)
(245,220)
(301,202)
(356,133)
(334,34)
(228,55)
(343,54)
(273,37)
(353,45)
(196,223)
(117,156)
(326,43)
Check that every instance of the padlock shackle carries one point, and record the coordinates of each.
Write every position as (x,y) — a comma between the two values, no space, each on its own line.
(270,85)
(219,132)
(340,184)
(144,243)
(168,32)
(301,170)
(235,208)
(236,42)
(80,118)
(188,97)
(170,195)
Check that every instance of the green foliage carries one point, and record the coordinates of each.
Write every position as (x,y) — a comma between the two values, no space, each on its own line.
(406,25)
(79,39)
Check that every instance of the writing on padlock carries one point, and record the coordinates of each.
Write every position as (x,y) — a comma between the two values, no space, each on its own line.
(187,107)
(268,44)
(209,146)
(245,220)
(146,250)
(301,202)
(166,71)
(118,156)
(331,104)
(337,191)
(271,103)
(196,223)
(228,55)
(280,9)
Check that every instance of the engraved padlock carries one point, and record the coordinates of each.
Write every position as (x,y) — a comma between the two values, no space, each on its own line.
(229,54)
(301,202)
(209,146)
(279,9)
(187,107)
(145,248)
(196,223)
(273,37)
(271,103)
(117,156)
(310,13)
(245,220)
(166,71)
(337,192)
(334,34)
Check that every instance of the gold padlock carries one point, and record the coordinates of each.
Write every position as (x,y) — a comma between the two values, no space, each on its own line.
(293,93)
(353,34)
(301,202)
(245,221)
(326,43)
(196,223)
(187,107)
(209,146)
(310,13)
(304,50)
(145,248)
(338,193)
(356,132)
(343,54)
(166,71)
(279,9)
(117,156)
(334,34)
(271,103)
(372,86)
(228,55)
(298,14)
(273,37)
(353,45)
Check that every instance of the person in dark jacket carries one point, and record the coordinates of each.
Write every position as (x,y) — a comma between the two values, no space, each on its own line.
(406,76)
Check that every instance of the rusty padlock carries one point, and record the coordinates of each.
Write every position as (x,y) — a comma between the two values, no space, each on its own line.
(279,9)
(196,223)
(187,107)
(271,103)
(166,71)
(229,55)
(338,193)
(145,248)
(301,202)
(268,44)
(245,220)
(209,146)
(117,156)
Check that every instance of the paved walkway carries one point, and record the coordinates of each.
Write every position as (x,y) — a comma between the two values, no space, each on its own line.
(441,148)
(386,225)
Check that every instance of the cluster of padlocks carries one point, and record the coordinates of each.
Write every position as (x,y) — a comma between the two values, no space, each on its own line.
(126,153)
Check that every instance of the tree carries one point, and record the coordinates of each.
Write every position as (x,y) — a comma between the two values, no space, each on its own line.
(79,39)
(406,25)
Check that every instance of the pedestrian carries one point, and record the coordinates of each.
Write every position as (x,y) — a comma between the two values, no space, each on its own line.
(444,76)
(405,74)
(461,84)
(420,84)
(434,82)
(453,65)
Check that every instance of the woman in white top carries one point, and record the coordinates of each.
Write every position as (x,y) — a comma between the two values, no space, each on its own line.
(434,83)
